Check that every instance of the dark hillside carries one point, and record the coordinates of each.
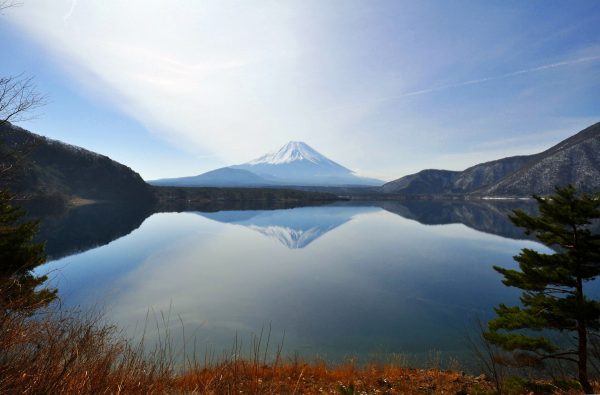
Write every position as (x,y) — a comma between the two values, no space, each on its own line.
(45,167)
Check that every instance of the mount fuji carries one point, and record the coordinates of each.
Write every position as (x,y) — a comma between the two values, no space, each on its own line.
(296,163)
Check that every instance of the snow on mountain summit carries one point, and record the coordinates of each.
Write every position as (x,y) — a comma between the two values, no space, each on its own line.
(291,152)
(296,163)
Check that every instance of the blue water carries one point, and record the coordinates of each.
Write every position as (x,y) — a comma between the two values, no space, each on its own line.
(338,280)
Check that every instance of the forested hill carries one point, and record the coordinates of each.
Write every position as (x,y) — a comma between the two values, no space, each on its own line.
(43,167)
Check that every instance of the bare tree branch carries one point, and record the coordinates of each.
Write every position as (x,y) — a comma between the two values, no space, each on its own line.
(19,99)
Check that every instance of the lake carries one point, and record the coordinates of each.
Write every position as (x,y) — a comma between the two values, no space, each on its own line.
(367,279)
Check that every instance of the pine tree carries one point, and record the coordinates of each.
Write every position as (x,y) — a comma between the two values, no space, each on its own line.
(19,255)
(553,297)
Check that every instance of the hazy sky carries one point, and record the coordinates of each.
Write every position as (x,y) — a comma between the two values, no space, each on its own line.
(386,88)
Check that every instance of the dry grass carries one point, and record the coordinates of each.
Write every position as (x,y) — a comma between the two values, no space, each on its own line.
(58,353)
(65,353)
(317,377)
(61,353)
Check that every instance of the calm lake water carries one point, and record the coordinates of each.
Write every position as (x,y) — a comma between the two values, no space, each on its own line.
(362,279)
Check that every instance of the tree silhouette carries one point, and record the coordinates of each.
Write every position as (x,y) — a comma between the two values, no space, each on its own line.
(19,256)
(553,297)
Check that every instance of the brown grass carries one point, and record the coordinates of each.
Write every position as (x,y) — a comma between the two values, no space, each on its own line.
(317,377)
(61,353)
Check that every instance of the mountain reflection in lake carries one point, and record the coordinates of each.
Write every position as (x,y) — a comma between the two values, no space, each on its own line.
(294,228)
(347,279)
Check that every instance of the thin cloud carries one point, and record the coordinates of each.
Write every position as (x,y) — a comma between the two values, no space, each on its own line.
(233,78)
(498,77)
(70,12)
(360,105)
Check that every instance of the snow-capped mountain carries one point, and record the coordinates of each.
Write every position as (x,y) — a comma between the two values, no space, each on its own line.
(292,152)
(297,163)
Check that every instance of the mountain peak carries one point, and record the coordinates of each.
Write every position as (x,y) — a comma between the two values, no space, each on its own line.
(295,163)
(293,151)
(297,145)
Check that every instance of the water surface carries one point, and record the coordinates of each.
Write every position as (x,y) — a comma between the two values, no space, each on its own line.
(363,279)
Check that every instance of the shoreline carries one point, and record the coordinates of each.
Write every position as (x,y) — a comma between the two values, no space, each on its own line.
(76,201)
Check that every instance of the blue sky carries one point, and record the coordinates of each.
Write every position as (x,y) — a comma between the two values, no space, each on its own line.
(384,87)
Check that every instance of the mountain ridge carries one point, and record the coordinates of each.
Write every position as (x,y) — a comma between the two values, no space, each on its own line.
(575,160)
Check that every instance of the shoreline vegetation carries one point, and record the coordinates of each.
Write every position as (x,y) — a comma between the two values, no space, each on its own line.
(211,199)
(167,199)
(56,351)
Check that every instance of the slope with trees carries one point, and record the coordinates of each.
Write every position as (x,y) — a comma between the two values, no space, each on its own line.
(48,167)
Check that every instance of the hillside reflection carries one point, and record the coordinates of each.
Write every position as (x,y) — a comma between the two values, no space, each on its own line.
(489,216)
(82,228)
